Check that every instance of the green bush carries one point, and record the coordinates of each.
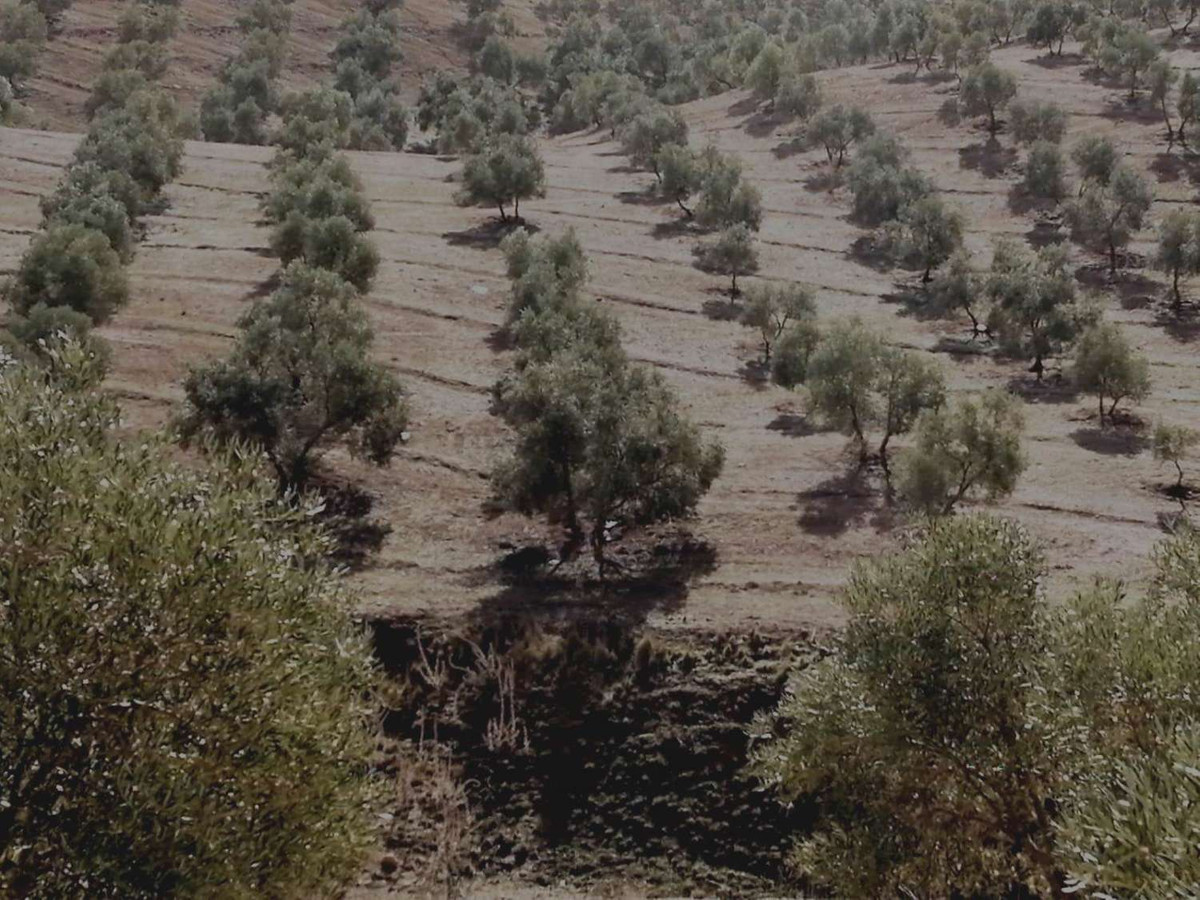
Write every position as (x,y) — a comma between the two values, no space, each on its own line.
(96,209)
(300,380)
(237,763)
(1045,171)
(40,334)
(141,139)
(506,172)
(22,36)
(73,266)
(113,89)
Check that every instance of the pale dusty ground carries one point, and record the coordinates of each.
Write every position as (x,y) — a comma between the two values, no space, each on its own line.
(784,543)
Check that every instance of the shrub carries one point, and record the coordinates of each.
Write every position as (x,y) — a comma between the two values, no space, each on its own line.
(732,253)
(73,266)
(335,244)
(506,172)
(372,40)
(545,272)
(40,335)
(22,36)
(320,116)
(85,180)
(976,446)
(97,210)
(798,97)
(1107,366)
(256,708)
(883,189)
(680,175)
(1037,121)
(930,233)
(146,57)
(1045,174)
(496,60)
(793,353)
(300,380)
(1096,157)
(113,89)
(380,121)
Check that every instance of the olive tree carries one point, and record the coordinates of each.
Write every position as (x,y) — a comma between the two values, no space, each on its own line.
(22,36)
(926,743)
(680,175)
(1107,365)
(772,310)
(930,233)
(644,136)
(70,265)
(1096,157)
(1174,444)
(1039,120)
(1186,105)
(857,382)
(1108,215)
(1033,302)
(600,444)
(974,446)
(178,667)
(1162,77)
(1045,172)
(508,170)
(798,97)
(1179,250)
(299,380)
(731,253)
(985,91)
(726,197)
(837,127)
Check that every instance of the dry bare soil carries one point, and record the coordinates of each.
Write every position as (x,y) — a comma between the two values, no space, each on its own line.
(784,520)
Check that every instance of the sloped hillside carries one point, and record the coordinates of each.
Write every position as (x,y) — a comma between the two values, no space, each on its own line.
(784,522)
(207,37)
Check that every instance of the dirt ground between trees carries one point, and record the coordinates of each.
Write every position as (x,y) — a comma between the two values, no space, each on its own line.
(785,522)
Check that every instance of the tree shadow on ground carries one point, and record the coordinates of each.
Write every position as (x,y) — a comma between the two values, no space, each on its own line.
(794,425)
(1021,202)
(1111,441)
(723,307)
(1172,167)
(1123,110)
(624,170)
(843,501)
(674,228)
(990,159)
(346,517)
(755,373)
(1044,233)
(487,235)
(789,148)
(1051,390)
(744,107)
(647,197)
(824,182)
(267,286)
(1132,289)
(500,339)
(965,348)
(763,124)
(653,573)
(1182,325)
(866,251)
(1059,61)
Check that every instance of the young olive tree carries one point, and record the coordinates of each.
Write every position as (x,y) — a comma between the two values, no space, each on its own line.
(731,253)
(986,91)
(857,382)
(1034,121)
(773,310)
(257,706)
(930,233)
(299,380)
(647,134)
(1045,172)
(1162,77)
(1179,250)
(975,446)
(507,171)
(1187,105)
(1108,366)
(837,127)
(1175,444)
(726,198)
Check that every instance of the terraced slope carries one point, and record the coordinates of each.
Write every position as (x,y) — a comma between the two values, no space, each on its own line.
(785,525)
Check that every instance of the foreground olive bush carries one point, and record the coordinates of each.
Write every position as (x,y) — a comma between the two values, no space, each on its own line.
(183,698)
(970,738)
